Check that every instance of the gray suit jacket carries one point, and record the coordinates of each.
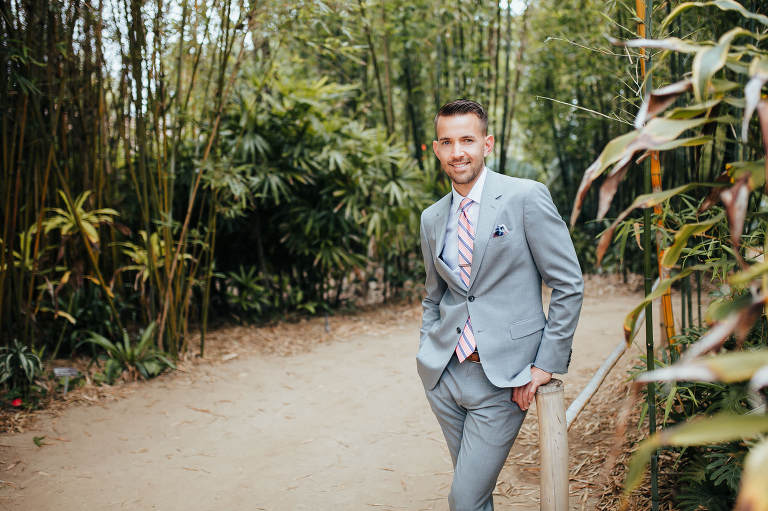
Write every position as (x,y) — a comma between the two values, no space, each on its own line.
(504,295)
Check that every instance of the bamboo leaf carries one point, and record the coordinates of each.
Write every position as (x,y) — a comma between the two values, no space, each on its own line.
(642,201)
(672,253)
(753,495)
(755,170)
(723,427)
(735,316)
(658,101)
(723,5)
(759,379)
(690,111)
(745,277)
(669,402)
(736,199)
(708,61)
(726,367)
(762,114)
(664,285)
(669,43)
(612,153)
(680,142)
(758,76)
(656,134)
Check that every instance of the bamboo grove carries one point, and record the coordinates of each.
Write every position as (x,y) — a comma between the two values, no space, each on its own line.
(164,162)
(166,166)
(171,165)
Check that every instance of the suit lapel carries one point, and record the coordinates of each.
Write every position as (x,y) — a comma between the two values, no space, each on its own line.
(489,210)
(450,277)
(441,222)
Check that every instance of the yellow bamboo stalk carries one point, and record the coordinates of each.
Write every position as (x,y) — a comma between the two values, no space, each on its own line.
(666,314)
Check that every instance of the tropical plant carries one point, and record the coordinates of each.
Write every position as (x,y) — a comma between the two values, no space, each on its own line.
(19,367)
(76,219)
(142,359)
(245,295)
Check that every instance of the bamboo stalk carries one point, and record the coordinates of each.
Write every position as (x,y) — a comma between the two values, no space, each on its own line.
(505,100)
(698,287)
(644,10)
(690,299)
(388,68)
(375,62)
(208,275)
(665,304)
(190,204)
(509,110)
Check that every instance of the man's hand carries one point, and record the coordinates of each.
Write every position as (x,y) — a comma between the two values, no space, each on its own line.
(524,395)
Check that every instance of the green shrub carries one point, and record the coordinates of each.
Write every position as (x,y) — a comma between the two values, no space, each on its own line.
(19,367)
(140,360)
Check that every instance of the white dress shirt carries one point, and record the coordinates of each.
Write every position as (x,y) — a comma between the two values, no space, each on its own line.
(450,254)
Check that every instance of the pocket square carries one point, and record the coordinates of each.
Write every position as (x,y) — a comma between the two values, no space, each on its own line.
(500,230)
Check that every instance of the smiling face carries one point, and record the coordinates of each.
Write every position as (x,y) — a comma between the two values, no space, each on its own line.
(461,147)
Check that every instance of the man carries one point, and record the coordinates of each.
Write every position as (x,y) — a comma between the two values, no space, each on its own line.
(487,246)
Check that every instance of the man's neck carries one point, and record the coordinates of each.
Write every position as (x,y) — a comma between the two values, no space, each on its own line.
(464,189)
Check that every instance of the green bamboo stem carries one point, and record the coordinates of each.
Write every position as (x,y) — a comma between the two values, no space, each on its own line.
(683,326)
(698,294)
(648,274)
(196,186)
(208,275)
(689,286)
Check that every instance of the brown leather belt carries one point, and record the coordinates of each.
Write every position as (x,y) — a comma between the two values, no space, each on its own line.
(473,357)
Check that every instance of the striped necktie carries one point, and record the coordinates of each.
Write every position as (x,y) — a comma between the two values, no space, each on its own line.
(466,344)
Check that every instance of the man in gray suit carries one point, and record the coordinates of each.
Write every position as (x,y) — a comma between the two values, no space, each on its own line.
(487,246)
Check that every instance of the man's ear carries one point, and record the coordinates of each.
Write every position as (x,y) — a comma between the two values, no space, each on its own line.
(489,140)
(434,147)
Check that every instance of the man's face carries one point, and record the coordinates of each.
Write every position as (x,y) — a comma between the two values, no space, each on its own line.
(461,147)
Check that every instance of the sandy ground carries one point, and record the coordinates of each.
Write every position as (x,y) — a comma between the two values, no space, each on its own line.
(343,426)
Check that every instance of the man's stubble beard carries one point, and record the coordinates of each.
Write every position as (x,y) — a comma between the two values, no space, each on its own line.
(464,180)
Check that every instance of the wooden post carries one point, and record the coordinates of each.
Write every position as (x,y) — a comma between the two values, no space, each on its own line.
(553,445)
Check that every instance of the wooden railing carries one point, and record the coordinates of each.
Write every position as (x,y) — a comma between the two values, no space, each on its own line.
(555,421)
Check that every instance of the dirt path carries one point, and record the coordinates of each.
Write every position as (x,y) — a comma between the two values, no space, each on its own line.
(344,426)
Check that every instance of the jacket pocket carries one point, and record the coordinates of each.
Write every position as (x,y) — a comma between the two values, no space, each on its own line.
(500,240)
(527,326)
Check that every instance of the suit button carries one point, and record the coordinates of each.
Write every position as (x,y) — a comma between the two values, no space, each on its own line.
(471,298)
(458,329)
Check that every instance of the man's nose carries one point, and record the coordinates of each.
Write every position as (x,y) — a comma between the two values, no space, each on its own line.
(457,151)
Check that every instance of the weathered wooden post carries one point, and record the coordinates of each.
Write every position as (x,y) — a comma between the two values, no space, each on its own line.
(553,446)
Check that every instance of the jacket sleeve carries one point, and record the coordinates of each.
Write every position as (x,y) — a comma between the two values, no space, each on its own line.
(552,249)
(434,287)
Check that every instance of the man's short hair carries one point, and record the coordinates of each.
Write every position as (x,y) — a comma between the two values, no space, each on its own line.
(463,106)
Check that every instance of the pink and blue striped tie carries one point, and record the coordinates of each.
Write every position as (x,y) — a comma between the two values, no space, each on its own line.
(466,344)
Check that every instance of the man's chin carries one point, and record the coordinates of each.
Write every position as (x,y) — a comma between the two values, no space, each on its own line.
(465,177)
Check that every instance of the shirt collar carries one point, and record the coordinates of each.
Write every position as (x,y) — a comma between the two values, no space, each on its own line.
(475,193)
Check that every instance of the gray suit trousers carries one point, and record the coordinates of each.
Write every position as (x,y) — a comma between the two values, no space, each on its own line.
(480,423)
